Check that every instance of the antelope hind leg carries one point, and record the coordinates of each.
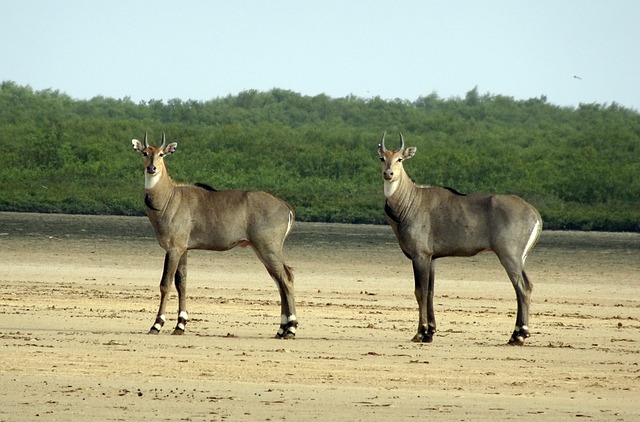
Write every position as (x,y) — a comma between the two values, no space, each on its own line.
(283,276)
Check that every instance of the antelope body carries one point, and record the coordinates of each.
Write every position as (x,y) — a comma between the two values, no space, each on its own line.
(432,222)
(198,217)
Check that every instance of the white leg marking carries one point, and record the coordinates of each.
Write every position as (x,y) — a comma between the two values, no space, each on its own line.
(181,326)
(284,320)
(525,328)
(534,236)
(157,325)
(184,315)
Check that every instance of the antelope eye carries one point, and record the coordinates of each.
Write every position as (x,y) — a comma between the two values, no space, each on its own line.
(161,155)
(144,153)
(399,160)
(382,159)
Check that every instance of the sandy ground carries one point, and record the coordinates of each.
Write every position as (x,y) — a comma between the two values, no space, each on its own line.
(78,294)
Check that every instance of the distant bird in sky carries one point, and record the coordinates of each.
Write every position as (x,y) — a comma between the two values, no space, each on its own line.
(576,77)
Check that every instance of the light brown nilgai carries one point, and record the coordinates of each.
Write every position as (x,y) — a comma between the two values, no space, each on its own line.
(199,217)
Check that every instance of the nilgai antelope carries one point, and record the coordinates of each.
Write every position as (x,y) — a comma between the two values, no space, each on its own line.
(198,217)
(432,222)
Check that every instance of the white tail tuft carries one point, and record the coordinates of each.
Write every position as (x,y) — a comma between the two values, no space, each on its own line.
(289,224)
(532,240)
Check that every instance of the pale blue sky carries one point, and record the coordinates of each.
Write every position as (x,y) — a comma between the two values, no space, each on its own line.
(393,49)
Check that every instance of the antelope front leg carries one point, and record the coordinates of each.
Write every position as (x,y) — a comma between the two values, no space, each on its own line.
(423,273)
(171,260)
(181,287)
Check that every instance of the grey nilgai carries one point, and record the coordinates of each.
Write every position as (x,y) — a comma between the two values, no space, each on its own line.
(433,222)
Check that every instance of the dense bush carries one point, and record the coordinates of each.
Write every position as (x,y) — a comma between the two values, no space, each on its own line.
(579,166)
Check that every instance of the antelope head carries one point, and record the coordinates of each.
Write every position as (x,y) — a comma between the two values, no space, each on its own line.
(392,161)
(153,158)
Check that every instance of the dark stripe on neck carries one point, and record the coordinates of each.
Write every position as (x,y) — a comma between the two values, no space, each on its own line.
(390,213)
(148,203)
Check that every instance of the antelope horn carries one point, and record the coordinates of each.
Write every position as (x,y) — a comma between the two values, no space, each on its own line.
(146,144)
(401,142)
(384,149)
(164,141)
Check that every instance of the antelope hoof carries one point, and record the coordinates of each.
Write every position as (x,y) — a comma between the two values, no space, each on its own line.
(288,325)
(423,337)
(518,336)
(286,336)
(155,328)
(287,331)
(516,341)
(177,332)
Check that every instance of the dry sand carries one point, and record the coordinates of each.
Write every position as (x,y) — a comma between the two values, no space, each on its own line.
(78,294)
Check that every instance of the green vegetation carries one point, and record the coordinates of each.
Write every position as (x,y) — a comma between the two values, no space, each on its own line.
(579,166)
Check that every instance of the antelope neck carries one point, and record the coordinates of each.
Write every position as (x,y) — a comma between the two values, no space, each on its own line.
(158,190)
(398,194)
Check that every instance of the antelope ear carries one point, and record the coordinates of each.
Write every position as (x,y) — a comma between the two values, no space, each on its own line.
(380,150)
(171,148)
(137,145)
(409,152)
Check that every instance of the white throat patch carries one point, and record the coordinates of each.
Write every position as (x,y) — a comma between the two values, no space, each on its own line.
(150,180)
(390,188)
